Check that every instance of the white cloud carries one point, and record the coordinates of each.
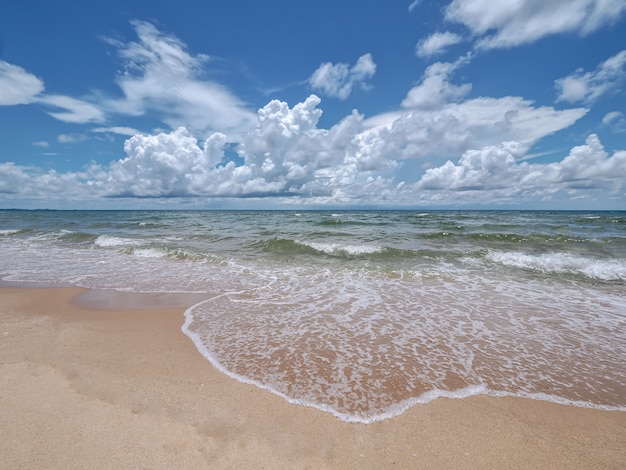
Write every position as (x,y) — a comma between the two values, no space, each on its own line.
(121,130)
(437,122)
(495,173)
(286,156)
(12,178)
(493,167)
(508,23)
(41,143)
(338,80)
(615,121)
(456,127)
(611,117)
(287,145)
(160,75)
(588,87)
(158,165)
(176,165)
(75,110)
(435,90)
(71,138)
(17,86)
(414,4)
(20,87)
(436,43)
(589,166)
(22,183)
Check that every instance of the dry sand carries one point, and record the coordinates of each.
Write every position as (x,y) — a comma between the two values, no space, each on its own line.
(82,387)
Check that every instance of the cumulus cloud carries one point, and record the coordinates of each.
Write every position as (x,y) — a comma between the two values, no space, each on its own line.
(161,75)
(338,80)
(177,165)
(508,23)
(22,183)
(17,86)
(489,168)
(587,87)
(284,154)
(159,165)
(589,166)
(436,43)
(12,178)
(495,172)
(286,145)
(287,156)
(435,90)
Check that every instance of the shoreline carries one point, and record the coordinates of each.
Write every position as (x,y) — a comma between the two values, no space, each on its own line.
(97,385)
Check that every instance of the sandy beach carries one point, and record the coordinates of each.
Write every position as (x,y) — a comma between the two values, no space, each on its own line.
(86,384)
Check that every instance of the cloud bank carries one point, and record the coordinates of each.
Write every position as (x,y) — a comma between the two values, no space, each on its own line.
(287,156)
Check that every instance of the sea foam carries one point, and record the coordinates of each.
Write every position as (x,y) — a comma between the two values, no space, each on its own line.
(359,346)
(605,269)
(108,241)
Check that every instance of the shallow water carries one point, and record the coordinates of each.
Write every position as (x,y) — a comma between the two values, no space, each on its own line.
(364,314)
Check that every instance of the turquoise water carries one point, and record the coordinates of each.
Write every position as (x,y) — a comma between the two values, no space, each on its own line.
(365,313)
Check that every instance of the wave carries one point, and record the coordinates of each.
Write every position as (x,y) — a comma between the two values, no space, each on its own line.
(76,238)
(286,246)
(11,232)
(108,241)
(562,263)
(168,248)
(65,237)
(340,249)
(340,222)
(281,246)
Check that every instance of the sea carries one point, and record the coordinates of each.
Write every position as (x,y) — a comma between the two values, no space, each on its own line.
(364,314)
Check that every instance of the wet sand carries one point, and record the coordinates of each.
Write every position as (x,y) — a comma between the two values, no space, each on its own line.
(85,387)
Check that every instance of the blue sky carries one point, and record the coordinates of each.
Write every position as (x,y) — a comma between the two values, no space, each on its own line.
(464,103)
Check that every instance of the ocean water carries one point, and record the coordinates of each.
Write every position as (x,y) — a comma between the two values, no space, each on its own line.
(365,314)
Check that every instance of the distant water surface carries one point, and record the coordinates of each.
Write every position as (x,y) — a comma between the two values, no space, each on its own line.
(365,313)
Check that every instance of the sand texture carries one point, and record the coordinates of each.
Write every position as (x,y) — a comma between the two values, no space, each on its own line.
(82,387)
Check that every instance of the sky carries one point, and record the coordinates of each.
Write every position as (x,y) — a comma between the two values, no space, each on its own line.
(515,104)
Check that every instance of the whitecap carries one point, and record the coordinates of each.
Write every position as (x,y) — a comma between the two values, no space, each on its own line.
(108,241)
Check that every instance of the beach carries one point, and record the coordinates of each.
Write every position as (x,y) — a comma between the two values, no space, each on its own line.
(85,386)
